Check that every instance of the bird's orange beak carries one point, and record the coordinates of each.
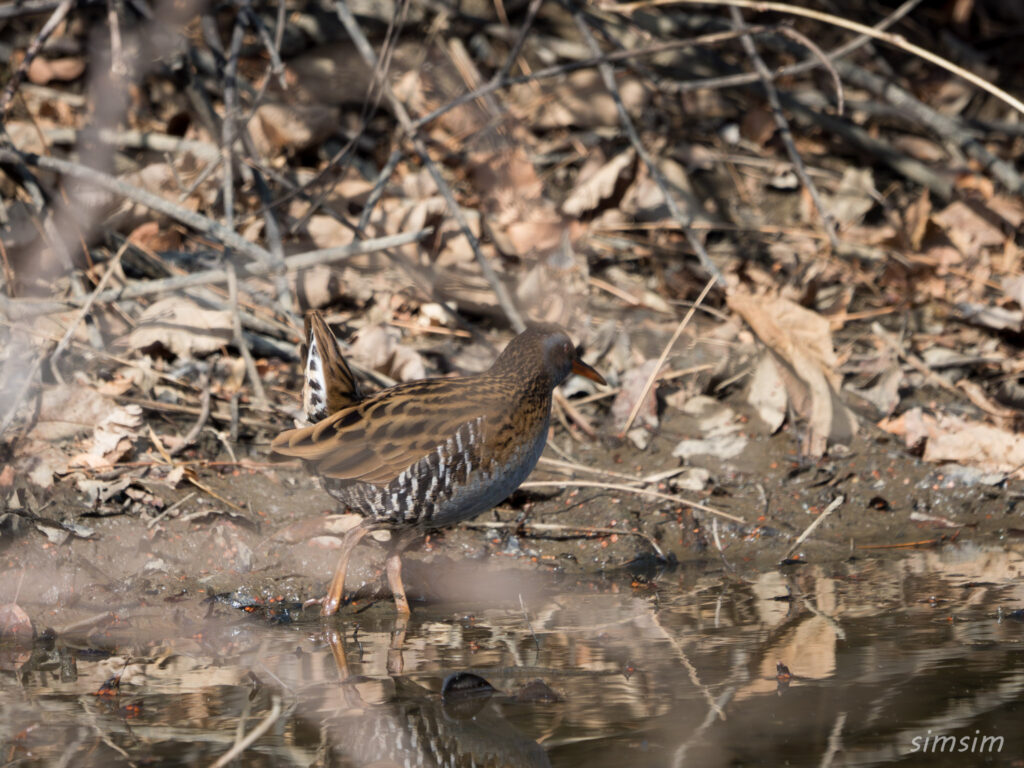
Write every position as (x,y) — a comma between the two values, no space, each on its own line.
(582,369)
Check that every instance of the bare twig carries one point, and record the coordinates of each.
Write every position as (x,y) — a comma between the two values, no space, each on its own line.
(902,163)
(608,76)
(154,202)
(664,356)
(291,264)
(567,529)
(228,126)
(259,396)
(204,416)
(87,306)
(826,64)
(174,507)
(500,291)
(836,504)
(897,41)
(631,489)
(58,15)
(944,125)
(782,124)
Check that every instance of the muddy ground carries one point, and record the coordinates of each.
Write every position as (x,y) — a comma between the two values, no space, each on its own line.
(276,550)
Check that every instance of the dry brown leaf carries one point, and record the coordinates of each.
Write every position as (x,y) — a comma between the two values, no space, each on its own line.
(884,394)
(1013,288)
(969,231)
(920,147)
(645,201)
(380,349)
(329,74)
(917,219)
(182,327)
(1010,209)
(767,393)
(328,232)
(42,71)
(853,198)
(598,184)
(719,427)
(802,340)
(580,100)
(151,235)
(950,438)
(630,389)
(758,125)
(68,410)
(292,128)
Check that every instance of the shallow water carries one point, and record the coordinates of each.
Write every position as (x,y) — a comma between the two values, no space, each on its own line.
(675,668)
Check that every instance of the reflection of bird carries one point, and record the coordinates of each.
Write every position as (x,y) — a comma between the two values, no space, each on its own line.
(425,454)
(464,726)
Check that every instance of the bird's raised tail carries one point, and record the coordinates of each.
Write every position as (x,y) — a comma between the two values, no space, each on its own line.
(330,385)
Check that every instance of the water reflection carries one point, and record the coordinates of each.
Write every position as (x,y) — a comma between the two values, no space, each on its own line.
(885,657)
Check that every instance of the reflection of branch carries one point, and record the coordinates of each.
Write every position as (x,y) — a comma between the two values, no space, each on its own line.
(691,671)
(243,744)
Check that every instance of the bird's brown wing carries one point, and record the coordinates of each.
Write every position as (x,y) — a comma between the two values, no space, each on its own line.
(375,440)
(330,385)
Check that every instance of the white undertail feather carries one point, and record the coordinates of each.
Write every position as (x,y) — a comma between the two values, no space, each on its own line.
(314,393)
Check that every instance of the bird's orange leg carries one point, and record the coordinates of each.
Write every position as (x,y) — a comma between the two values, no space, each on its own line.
(394,568)
(333,598)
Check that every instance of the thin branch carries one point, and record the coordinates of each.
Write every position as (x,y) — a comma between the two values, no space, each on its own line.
(228,126)
(154,202)
(897,41)
(563,484)
(827,220)
(363,46)
(608,76)
(836,504)
(220,275)
(259,396)
(58,15)
(664,356)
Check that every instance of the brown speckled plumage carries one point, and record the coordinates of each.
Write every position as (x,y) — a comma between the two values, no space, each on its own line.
(428,453)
